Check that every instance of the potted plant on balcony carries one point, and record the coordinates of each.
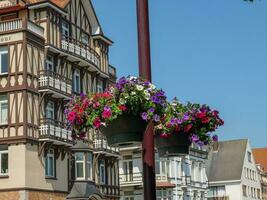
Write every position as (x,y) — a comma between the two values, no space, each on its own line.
(121,113)
(183,125)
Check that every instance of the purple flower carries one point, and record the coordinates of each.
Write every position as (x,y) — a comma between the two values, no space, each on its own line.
(107,108)
(66,111)
(179,121)
(194,138)
(200,143)
(160,94)
(144,116)
(186,117)
(147,83)
(152,110)
(155,99)
(156,118)
(173,121)
(215,138)
(82,95)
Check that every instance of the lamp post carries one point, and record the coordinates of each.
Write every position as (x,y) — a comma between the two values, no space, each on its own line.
(145,72)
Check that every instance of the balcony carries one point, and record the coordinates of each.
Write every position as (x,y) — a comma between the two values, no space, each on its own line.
(54,131)
(101,146)
(58,85)
(80,50)
(7,4)
(20,25)
(131,179)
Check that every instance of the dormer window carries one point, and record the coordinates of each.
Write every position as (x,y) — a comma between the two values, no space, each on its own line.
(65,29)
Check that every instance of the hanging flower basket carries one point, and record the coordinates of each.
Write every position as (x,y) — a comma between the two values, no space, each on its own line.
(121,113)
(125,130)
(183,125)
(175,145)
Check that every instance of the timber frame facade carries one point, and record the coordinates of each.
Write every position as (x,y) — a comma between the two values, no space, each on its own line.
(49,51)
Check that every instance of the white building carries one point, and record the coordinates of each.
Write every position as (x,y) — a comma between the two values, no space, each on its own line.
(178,178)
(232,172)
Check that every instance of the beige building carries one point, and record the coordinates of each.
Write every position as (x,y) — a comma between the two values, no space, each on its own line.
(50,50)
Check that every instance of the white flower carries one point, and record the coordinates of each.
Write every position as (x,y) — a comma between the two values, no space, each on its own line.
(152,86)
(126,96)
(147,96)
(132,78)
(133,93)
(139,87)
(122,101)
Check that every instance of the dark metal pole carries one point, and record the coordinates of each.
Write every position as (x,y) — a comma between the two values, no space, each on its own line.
(145,72)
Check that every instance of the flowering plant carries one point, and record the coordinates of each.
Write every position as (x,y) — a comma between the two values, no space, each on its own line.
(195,119)
(129,96)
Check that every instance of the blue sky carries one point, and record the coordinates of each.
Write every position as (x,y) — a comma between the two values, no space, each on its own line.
(212,52)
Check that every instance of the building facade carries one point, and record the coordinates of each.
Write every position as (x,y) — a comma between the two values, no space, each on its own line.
(232,172)
(177,178)
(260,155)
(49,51)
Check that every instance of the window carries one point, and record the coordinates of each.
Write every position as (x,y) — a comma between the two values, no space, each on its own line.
(99,88)
(164,194)
(3,109)
(3,160)
(244,189)
(3,60)
(65,29)
(128,198)
(85,38)
(77,81)
(50,110)
(49,63)
(249,156)
(89,165)
(102,172)
(50,164)
(128,170)
(79,166)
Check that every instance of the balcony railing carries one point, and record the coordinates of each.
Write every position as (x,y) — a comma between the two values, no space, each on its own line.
(52,130)
(131,179)
(218,198)
(102,145)
(186,180)
(77,48)
(20,24)
(109,190)
(6,4)
(51,81)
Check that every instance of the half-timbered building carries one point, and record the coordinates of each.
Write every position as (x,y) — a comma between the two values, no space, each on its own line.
(49,51)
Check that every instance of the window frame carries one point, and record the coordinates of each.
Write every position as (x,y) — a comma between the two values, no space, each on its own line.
(65,27)
(83,166)
(89,164)
(99,86)
(50,109)
(5,51)
(102,177)
(47,160)
(1,154)
(5,101)
(50,63)
(77,88)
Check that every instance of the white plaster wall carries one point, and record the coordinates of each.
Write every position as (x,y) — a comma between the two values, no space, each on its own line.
(233,190)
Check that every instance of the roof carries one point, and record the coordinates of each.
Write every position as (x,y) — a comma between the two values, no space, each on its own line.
(260,156)
(60,3)
(84,190)
(226,163)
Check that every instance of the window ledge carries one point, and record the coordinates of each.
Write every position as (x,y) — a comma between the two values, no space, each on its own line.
(4,176)
(50,178)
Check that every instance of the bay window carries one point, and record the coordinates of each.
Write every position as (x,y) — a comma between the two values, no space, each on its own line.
(90,165)
(3,60)
(50,164)
(3,109)
(79,165)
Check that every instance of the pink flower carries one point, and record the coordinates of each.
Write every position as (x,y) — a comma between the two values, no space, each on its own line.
(96,105)
(106,114)
(122,107)
(97,122)
(71,116)
(201,115)
(205,120)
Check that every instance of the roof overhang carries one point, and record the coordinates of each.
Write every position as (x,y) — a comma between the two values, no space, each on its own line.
(104,38)
(43,4)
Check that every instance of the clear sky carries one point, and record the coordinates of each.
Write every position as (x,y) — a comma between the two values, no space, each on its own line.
(204,51)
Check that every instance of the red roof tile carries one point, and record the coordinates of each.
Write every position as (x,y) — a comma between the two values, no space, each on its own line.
(260,156)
